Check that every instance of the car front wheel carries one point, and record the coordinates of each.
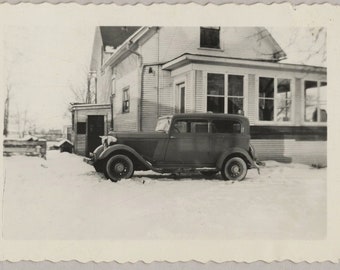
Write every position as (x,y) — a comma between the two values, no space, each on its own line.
(234,168)
(119,167)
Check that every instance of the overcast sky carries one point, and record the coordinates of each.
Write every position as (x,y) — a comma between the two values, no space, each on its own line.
(43,61)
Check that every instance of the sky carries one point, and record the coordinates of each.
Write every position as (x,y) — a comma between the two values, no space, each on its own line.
(43,62)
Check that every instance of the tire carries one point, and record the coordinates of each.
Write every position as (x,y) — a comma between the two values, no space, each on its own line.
(235,169)
(119,167)
(209,173)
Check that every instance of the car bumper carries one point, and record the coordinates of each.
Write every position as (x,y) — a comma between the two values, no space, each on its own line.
(88,160)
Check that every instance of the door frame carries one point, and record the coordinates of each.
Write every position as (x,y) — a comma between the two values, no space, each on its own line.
(179,87)
(87,130)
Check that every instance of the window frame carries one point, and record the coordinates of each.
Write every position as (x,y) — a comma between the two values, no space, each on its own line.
(317,123)
(226,96)
(274,122)
(172,127)
(81,128)
(219,38)
(124,90)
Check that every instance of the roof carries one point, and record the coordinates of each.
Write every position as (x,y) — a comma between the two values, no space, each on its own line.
(115,35)
(196,58)
(88,106)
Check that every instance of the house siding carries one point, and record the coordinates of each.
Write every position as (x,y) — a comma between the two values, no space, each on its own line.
(157,96)
(127,73)
(200,92)
(305,152)
(251,98)
(149,99)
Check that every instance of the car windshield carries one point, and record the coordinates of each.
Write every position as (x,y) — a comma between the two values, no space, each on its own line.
(163,124)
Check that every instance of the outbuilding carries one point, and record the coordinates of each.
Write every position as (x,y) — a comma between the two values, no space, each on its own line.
(89,122)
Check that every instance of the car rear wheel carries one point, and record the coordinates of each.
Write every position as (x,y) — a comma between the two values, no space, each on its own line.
(119,167)
(234,168)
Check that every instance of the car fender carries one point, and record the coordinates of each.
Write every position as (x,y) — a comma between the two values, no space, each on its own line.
(235,151)
(124,148)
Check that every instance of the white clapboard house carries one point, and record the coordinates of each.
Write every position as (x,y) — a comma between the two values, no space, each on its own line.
(148,72)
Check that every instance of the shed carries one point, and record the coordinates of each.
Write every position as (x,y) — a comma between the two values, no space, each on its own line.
(89,122)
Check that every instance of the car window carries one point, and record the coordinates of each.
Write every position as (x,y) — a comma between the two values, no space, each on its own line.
(225,126)
(191,126)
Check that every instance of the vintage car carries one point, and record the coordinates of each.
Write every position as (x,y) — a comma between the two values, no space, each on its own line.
(205,142)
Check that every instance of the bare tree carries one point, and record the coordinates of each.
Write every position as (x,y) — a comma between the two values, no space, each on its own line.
(80,88)
(6,107)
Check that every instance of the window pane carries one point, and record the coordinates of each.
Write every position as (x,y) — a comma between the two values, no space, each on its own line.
(191,126)
(283,89)
(235,105)
(181,127)
(283,110)
(283,100)
(210,38)
(226,126)
(266,87)
(235,85)
(266,109)
(199,127)
(311,97)
(323,101)
(81,128)
(215,104)
(215,84)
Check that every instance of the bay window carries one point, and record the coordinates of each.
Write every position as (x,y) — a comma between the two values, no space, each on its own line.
(225,93)
(215,93)
(275,99)
(315,101)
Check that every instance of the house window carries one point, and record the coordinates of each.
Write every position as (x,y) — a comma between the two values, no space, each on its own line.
(235,94)
(315,96)
(275,99)
(215,93)
(81,128)
(210,37)
(218,101)
(126,100)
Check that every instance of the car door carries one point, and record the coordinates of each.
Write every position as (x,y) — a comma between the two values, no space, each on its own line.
(189,142)
(226,134)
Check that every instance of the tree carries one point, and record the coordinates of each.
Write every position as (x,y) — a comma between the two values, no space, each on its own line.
(6,108)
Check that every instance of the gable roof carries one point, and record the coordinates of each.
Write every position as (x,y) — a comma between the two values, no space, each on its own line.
(123,38)
(279,52)
(115,35)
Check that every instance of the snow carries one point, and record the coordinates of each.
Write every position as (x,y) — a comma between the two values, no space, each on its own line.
(63,198)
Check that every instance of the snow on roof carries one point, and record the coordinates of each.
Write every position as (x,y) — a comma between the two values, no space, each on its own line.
(59,144)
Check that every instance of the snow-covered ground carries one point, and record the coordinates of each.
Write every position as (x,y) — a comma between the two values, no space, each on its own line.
(64,198)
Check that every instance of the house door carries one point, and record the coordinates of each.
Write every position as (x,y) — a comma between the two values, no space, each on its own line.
(95,128)
(180,98)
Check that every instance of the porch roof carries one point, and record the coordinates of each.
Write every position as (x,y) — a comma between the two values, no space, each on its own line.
(87,106)
(204,59)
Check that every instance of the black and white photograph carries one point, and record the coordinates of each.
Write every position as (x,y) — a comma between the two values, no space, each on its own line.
(143,133)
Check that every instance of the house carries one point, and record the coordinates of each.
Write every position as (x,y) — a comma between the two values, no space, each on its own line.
(153,71)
